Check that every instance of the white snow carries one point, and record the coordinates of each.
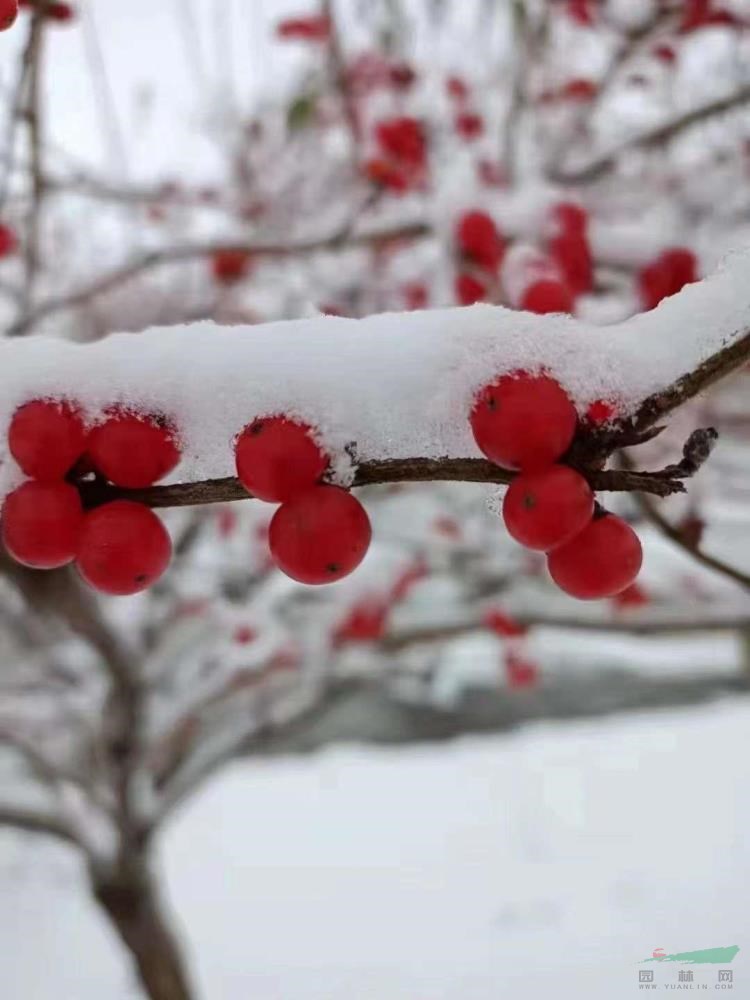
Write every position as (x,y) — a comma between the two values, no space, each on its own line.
(398,385)
(547,863)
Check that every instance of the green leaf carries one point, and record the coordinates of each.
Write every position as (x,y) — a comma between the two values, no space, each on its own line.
(301,111)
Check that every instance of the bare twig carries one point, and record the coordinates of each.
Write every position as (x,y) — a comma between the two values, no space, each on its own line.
(673,533)
(682,539)
(33,115)
(35,821)
(18,99)
(720,364)
(631,624)
(340,76)
(125,272)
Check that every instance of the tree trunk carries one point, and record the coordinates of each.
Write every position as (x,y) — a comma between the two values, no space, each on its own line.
(130,899)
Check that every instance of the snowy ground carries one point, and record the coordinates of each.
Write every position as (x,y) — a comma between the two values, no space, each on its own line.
(545,864)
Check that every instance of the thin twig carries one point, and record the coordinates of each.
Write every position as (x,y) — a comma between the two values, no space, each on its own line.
(33,116)
(33,821)
(156,258)
(16,104)
(655,517)
(628,624)
(394,470)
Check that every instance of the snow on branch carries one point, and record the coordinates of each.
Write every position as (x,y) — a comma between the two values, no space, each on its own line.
(390,394)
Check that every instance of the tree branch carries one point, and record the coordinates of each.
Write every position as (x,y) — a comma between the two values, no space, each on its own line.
(120,275)
(33,115)
(720,364)
(630,624)
(17,101)
(32,821)
(404,470)
(688,545)
(656,136)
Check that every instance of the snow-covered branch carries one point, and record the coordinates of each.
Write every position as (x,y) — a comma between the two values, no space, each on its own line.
(390,394)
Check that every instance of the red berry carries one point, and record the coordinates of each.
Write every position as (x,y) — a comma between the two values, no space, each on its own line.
(8,13)
(570,217)
(545,509)
(667,275)
(580,90)
(653,285)
(601,561)
(415,295)
(8,241)
(682,267)
(571,253)
(470,290)
(665,53)
(457,88)
(547,296)
(469,125)
(123,548)
(41,524)
(404,140)
(61,12)
(278,458)
(633,596)
(319,536)
(365,622)
(133,450)
(700,14)
(380,171)
(580,11)
(601,412)
(402,76)
(316,28)
(520,673)
(244,635)
(478,239)
(229,266)
(502,624)
(523,421)
(46,438)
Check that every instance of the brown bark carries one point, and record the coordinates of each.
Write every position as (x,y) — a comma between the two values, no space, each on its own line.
(130,899)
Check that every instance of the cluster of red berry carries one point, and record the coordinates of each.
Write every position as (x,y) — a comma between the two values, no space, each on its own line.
(562,273)
(120,547)
(527,422)
(320,533)
(401,160)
